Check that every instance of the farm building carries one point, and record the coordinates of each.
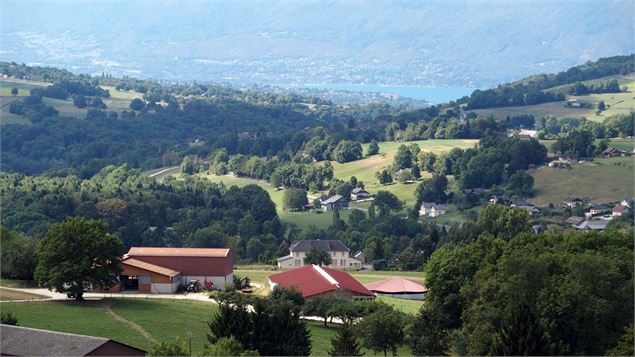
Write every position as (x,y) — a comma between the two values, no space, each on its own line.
(431,209)
(164,270)
(399,288)
(333,202)
(359,193)
(314,280)
(24,341)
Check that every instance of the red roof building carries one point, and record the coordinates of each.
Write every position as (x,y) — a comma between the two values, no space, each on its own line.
(313,280)
(164,270)
(399,288)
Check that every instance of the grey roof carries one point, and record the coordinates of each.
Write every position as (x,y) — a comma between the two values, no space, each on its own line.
(574,220)
(600,207)
(359,190)
(431,205)
(24,341)
(593,224)
(327,245)
(332,199)
(286,257)
(571,199)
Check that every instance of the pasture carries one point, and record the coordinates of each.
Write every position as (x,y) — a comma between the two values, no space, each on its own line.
(603,180)
(142,322)
(617,103)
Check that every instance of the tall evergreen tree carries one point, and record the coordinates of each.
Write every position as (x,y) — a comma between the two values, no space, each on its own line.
(345,343)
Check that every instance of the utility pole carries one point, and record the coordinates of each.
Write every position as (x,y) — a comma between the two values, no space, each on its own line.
(190,335)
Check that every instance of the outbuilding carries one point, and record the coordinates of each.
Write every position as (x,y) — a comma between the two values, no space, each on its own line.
(164,270)
(398,288)
(25,341)
(314,280)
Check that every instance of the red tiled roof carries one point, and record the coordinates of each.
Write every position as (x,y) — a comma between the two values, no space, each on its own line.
(150,267)
(396,286)
(619,208)
(310,281)
(181,252)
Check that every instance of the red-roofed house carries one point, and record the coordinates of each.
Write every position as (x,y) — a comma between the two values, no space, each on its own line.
(399,288)
(163,270)
(314,280)
(619,210)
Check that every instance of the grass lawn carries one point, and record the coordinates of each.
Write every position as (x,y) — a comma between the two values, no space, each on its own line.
(161,320)
(603,180)
(410,307)
(24,87)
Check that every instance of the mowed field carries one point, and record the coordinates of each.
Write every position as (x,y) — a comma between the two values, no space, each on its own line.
(617,103)
(603,180)
(142,322)
(365,169)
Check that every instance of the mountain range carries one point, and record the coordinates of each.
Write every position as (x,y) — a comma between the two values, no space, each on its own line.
(432,43)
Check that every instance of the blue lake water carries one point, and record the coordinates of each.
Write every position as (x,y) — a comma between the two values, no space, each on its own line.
(432,94)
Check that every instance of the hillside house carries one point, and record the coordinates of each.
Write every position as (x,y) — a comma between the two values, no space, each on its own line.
(314,280)
(525,134)
(339,253)
(572,201)
(596,209)
(431,209)
(611,152)
(158,270)
(619,210)
(359,193)
(334,202)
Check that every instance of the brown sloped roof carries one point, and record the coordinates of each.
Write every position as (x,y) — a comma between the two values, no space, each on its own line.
(179,252)
(150,267)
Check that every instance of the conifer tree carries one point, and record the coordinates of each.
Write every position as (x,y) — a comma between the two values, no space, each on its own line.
(345,343)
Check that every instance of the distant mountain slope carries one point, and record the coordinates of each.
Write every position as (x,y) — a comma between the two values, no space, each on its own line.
(460,43)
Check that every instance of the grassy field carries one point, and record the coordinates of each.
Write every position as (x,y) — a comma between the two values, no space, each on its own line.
(117,102)
(140,322)
(365,169)
(603,180)
(617,103)
(625,144)
(9,295)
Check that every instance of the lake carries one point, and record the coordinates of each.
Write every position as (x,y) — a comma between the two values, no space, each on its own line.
(432,94)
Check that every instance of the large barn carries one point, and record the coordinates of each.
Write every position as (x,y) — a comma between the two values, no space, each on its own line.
(399,288)
(314,280)
(164,270)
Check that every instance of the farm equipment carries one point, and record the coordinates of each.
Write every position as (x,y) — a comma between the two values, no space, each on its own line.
(193,286)
(208,285)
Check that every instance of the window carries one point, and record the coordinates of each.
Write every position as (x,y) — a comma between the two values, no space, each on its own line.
(145,279)
(343,262)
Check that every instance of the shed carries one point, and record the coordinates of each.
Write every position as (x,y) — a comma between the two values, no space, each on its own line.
(399,288)
(25,341)
(148,278)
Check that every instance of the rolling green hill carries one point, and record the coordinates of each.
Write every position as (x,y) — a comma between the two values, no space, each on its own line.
(617,103)
(117,102)
(603,180)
